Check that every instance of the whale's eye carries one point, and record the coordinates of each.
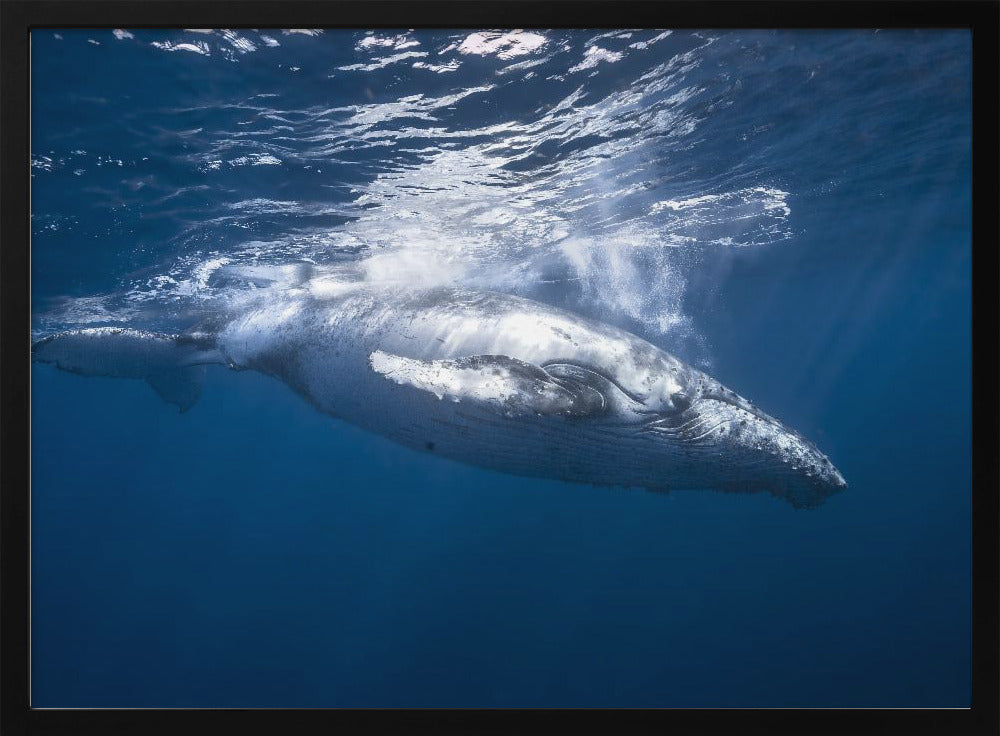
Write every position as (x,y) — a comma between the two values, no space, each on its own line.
(680,402)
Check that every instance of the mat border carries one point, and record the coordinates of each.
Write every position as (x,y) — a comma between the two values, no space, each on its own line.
(17,17)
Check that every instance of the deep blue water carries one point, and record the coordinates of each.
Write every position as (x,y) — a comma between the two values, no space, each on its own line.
(789,211)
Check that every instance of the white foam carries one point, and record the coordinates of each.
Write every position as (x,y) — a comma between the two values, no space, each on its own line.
(401,41)
(594,56)
(383,62)
(197,48)
(503,45)
(239,43)
(753,201)
(451,66)
(645,44)
(253,159)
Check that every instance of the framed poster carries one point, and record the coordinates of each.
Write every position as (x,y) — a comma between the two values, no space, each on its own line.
(460,366)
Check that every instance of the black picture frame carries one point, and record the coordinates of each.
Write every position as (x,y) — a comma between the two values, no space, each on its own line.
(20,16)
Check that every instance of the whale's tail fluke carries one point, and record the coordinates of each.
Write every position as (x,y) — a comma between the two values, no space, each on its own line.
(174,365)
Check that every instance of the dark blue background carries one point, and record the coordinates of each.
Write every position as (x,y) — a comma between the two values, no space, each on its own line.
(254,552)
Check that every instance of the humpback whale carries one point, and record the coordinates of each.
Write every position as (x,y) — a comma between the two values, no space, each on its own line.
(485,378)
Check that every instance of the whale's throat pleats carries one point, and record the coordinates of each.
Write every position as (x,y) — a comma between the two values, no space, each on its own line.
(561,420)
(173,365)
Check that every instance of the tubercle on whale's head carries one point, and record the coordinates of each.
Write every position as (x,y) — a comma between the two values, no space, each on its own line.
(777,458)
(749,450)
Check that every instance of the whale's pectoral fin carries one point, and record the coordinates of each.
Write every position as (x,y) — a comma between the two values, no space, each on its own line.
(512,387)
(179,386)
(173,365)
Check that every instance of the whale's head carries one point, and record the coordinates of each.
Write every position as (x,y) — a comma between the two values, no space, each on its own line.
(725,442)
(679,428)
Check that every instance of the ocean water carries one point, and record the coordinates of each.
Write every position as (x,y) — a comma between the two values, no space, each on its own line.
(789,211)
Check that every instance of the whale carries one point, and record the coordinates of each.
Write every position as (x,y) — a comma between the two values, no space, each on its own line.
(485,378)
